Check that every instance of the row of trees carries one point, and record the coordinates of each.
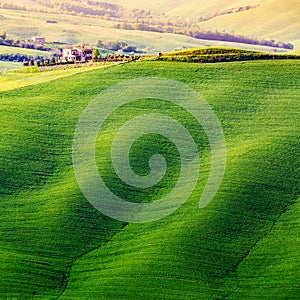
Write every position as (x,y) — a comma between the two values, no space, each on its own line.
(54,61)
(226,12)
(116,45)
(91,8)
(20,57)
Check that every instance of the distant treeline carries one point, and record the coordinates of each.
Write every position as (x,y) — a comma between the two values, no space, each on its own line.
(78,7)
(116,45)
(226,12)
(19,57)
(195,31)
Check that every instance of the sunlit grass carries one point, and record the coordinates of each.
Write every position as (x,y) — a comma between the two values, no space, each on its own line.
(240,246)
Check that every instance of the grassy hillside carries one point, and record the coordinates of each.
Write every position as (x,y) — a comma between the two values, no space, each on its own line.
(7,65)
(184,8)
(220,54)
(294,52)
(272,19)
(75,29)
(32,76)
(17,50)
(54,243)
(269,17)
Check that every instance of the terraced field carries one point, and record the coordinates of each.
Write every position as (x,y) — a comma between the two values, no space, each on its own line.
(243,245)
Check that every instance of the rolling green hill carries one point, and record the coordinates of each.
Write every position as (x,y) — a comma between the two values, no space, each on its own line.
(220,54)
(245,243)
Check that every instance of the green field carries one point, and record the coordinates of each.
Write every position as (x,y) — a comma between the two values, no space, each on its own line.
(243,245)
(7,65)
(25,51)
(28,76)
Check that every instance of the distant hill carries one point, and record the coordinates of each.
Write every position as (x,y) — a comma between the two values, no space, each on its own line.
(78,30)
(182,8)
(271,18)
(263,20)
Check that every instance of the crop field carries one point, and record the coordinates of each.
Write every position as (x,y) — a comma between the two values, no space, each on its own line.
(244,244)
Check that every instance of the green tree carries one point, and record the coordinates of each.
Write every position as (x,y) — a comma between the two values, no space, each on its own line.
(96,54)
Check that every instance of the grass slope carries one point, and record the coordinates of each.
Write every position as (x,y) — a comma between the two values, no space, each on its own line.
(50,234)
(183,8)
(220,54)
(17,50)
(7,65)
(272,19)
(28,76)
(270,257)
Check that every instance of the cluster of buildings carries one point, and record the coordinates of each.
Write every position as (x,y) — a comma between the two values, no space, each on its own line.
(76,54)
(72,54)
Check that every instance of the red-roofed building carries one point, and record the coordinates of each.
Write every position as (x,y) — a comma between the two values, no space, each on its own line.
(77,54)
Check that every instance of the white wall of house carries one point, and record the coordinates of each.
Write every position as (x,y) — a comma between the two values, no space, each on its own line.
(39,40)
(77,54)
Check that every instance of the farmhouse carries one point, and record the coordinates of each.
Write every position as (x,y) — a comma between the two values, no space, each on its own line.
(77,54)
(38,40)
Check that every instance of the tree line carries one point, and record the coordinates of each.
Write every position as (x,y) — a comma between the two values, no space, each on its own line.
(195,31)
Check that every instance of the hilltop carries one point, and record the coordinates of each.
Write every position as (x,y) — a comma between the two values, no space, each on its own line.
(221,54)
